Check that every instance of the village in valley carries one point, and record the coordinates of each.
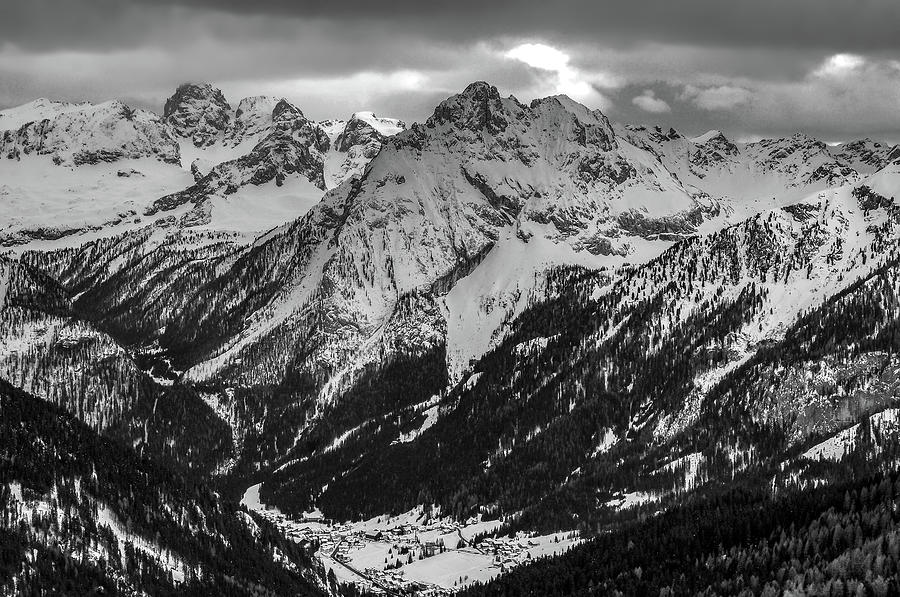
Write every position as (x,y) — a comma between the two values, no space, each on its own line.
(415,553)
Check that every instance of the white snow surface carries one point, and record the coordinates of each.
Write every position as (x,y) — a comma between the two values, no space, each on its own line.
(35,111)
(80,201)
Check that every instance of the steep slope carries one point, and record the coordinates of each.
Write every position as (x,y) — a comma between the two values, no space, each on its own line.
(273,336)
(430,206)
(47,350)
(50,350)
(438,197)
(292,149)
(82,515)
(729,351)
(198,113)
(207,129)
(354,143)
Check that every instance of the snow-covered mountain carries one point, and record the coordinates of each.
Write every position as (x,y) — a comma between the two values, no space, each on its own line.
(98,170)
(549,181)
(729,351)
(84,133)
(752,174)
(507,306)
(198,113)
(354,143)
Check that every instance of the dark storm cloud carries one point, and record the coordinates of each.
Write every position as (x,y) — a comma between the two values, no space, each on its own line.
(854,24)
(850,25)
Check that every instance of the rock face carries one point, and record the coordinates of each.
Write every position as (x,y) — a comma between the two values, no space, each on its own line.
(365,128)
(198,112)
(252,119)
(258,136)
(293,145)
(354,143)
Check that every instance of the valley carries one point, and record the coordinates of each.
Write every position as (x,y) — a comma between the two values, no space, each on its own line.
(416,551)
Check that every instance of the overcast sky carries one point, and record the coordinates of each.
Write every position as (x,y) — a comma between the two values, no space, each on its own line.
(830,68)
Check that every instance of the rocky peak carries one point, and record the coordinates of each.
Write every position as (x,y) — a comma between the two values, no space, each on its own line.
(257,104)
(199,112)
(252,117)
(658,135)
(360,130)
(478,107)
(583,126)
(792,152)
(292,145)
(797,142)
(866,144)
(893,155)
(285,110)
(717,142)
(864,154)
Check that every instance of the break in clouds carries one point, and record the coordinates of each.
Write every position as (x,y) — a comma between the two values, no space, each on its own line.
(831,69)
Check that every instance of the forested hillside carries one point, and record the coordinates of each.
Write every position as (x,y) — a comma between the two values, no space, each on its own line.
(840,539)
(85,515)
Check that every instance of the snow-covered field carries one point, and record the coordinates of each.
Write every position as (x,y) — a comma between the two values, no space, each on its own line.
(417,546)
(74,201)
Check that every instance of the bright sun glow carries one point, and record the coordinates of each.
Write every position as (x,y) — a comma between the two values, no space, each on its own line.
(540,56)
(840,64)
(569,80)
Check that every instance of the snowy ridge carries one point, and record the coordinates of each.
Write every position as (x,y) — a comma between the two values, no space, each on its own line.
(752,177)
(97,170)
(88,134)
(12,119)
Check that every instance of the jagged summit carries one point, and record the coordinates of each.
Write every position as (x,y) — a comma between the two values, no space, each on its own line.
(866,154)
(354,142)
(708,136)
(383,126)
(285,109)
(364,128)
(478,107)
(252,118)
(198,111)
(256,104)
(625,169)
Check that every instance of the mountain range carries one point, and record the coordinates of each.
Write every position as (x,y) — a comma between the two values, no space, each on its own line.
(514,311)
